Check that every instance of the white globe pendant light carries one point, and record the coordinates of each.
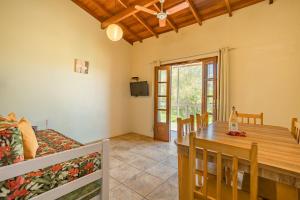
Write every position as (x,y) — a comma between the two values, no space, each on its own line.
(114,32)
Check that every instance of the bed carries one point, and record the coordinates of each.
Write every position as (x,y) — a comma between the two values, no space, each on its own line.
(63,169)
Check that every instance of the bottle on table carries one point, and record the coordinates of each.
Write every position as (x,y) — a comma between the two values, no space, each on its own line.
(233,121)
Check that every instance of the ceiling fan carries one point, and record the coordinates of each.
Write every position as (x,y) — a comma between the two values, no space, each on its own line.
(162,15)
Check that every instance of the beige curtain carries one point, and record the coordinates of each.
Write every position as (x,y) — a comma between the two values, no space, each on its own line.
(223,107)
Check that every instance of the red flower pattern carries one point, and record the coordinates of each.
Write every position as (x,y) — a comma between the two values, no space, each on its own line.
(17,193)
(19,159)
(56,168)
(5,133)
(4,151)
(35,174)
(15,184)
(73,172)
(87,165)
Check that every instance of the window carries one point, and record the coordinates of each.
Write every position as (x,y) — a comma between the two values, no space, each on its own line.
(209,91)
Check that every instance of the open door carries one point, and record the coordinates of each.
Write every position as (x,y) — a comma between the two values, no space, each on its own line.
(210,88)
(162,103)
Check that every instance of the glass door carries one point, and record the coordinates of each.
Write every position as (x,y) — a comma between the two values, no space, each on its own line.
(162,103)
(186,92)
(210,88)
(193,90)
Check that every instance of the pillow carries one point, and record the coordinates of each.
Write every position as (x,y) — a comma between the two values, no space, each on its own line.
(2,118)
(11,143)
(30,143)
(5,124)
(12,117)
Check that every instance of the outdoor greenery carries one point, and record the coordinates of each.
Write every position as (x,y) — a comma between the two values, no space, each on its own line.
(189,92)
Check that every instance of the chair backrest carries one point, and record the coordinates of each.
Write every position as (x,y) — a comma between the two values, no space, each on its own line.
(201,121)
(219,149)
(246,118)
(296,129)
(185,126)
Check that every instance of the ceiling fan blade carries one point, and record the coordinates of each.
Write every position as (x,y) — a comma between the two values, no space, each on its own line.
(141,8)
(162,22)
(177,8)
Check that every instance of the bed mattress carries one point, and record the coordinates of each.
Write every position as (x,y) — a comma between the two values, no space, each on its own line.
(43,180)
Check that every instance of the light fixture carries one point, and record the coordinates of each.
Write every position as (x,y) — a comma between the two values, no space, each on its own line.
(114,32)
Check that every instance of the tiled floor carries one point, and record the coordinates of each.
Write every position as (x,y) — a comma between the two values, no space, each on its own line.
(142,169)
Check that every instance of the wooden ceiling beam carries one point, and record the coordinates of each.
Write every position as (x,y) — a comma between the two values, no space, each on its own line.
(169,20)
(194,11)
(139,19)
(84,7)
(127,12)
(228,7)
(101,13)
(126,28)
(123,26)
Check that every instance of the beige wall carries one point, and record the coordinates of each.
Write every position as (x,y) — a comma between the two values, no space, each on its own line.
(265,65)
(39,40)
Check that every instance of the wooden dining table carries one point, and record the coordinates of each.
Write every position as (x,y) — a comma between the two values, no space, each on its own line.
(278,155)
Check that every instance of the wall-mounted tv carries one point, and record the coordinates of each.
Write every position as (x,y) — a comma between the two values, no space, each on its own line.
(140,88)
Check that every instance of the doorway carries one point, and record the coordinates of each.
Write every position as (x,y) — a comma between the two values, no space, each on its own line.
(181,90)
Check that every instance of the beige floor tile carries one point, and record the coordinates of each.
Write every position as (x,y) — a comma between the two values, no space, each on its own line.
(143,183)
(155,154)
(143,163)
(113,183)
(161,171)
(131,155)
(173,180)
(166,191)
(152,144)
(167,148)
(125,156)
(123,172)
(171,161)
(113,162)
(123,193)
(140,149)
(139,142)
(121,146)
(114,141)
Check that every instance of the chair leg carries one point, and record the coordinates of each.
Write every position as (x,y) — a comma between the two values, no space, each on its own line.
(228,176)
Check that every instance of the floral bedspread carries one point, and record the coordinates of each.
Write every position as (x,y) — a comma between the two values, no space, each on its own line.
(38,182)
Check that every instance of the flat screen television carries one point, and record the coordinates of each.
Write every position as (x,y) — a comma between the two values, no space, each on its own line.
(140,88)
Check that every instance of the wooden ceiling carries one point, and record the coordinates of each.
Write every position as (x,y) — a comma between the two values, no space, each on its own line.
(138,25)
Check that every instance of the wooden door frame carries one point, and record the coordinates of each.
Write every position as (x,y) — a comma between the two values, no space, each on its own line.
(168,67)
(168,106)
(205,61)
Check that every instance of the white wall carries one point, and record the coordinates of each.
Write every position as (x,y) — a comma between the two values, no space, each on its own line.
(265,65)
(39,40)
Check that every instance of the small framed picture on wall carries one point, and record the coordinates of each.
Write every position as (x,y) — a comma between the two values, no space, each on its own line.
(81,66)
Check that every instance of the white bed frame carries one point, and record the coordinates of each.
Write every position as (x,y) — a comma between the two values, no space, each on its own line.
(21,168)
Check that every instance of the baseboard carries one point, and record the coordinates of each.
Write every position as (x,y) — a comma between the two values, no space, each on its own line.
(141,134)
(118,135)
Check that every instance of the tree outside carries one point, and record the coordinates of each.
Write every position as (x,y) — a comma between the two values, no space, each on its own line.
(186,91)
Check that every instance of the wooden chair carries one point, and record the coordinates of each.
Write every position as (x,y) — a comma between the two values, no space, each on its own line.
(255,117)
(185,126)
(296,129)
(201,121)
(219,149)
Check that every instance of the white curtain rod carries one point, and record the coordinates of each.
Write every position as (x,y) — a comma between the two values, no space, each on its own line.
(159,62)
